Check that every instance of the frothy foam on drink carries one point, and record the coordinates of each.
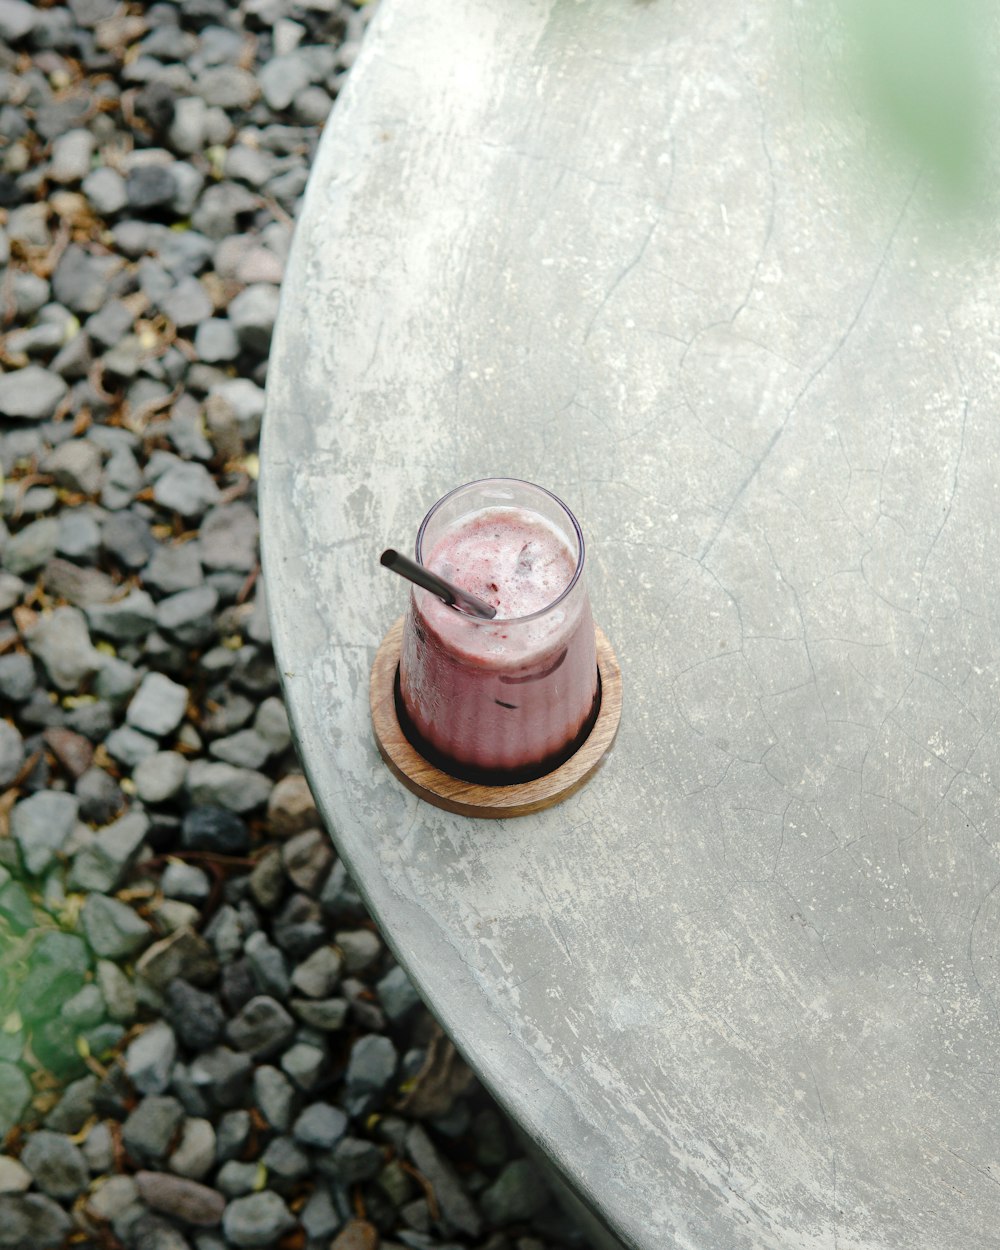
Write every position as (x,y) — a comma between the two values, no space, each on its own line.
(512,559)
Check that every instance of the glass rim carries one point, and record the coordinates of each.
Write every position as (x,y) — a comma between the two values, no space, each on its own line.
(514,481)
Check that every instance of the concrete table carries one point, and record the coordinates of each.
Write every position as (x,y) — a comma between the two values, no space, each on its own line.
(743,989)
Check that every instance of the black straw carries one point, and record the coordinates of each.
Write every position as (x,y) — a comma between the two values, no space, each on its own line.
(454,596)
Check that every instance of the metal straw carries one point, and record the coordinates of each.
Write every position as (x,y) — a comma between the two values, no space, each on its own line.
(454,596)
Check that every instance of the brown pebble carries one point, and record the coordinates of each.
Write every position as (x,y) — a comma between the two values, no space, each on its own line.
(357,1235)
(73,751)
(184,1199)
(291,808)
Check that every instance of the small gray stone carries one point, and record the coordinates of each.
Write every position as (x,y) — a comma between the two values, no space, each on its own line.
(228,538)
(32,546)
(268,965)
(71,153)
(235,1178)
(17,19)
(216,341)
(354,1160)
(159,778)
(31,393)
(188,615)
(11,588)
(319,974)
(328,1015)
(312,106)
(85,1008)
(113,929)
(188,304)
(75,465)
(158,706)
(372,1065)
(186,488)
(195,1015)
(173,569)
(116,680)
(105,189)
(245,749)
(223,785)
(275,1095)
(102,865)
(271,724)
(81,280)
(227,87)
(62,643)
(83,587)
(253,313)
(57,1165)
(114,1197)
(257,1220)
(250,165)
(455,1204)
(127,619)
(361,947)
(149,1059)
(188,182)
(194,1155)
(126,536)
(129,747)
(186,882)
(307,858)
(77,1104)
(225,1075)
(41,826)
(150,186)
(232,1135)
(397,995)
(246,399)
(187,130)
(31,1221)
(319,1217)
(122,479)
(262,1028)
(98,1148)
(518,1194)
(17,677)
(150,1128)
(281,77)
(11,753)
(320,1125)
(117,991)
(306,1065)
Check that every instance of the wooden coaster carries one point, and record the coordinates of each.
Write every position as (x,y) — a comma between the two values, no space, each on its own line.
(465,797)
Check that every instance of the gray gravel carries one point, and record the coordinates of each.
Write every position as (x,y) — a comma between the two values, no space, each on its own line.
(205,1042)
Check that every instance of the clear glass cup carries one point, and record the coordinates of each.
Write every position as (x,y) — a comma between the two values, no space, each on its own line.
(503,700)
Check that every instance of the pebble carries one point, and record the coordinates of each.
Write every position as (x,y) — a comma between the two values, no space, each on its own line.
(194,1155)
(455,1204)
(56,1164)
(103,864)
(291,808)
(253,313)
(159,778)
(31,1221)
(216,341)
(306,1064)
(188,615)
(225,1074)
(518,1194)
(261,1028)
(62,643)
(158,706)
(186,488)
(14,1176)
(186,1200)
(196,1016)
(31,547)
(71,155)
(127,619)
(184,954)
(41,826)
(117,991)
(397,995)
(150,1128)
(257,1219)
(31,393)
(11,753)
(228,538)
(318,975)
(105,189)
(320,1125)
(149,1059)
(223,785)
(112,928)
(215,829)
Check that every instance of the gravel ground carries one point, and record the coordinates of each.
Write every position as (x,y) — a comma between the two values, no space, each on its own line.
(203,1040)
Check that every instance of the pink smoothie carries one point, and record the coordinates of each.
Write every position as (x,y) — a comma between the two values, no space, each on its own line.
(514,694)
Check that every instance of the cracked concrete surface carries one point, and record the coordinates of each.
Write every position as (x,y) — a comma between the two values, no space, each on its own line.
(743,988)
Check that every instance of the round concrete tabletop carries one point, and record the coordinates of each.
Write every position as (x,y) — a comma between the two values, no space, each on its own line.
(743,988)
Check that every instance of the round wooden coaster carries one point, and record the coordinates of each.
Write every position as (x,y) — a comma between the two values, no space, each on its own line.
(465,797)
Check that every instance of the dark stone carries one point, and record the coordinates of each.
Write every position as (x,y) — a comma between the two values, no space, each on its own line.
(215,829)
(195,1016)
